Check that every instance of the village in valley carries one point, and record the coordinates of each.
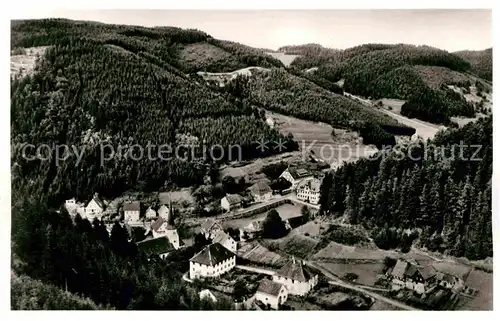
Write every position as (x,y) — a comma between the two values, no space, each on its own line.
(264,245)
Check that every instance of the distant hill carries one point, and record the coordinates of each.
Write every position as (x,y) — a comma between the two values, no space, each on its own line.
(417,74)
(481,62)
(186,49)
(304,97)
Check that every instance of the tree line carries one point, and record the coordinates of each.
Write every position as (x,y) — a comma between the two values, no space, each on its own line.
(445,199)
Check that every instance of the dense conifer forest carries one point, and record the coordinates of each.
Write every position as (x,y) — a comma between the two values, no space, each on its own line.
(442,198)
(394,71)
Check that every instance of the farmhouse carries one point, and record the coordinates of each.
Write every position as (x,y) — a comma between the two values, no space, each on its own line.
(210,228)
(94,208)
(150,213)
(308,190)
(156,247)
(231,202)
(166,228)
(272,293)
(295,175)
(227,241)
(261,191)
(214,260)
(132,211)
(297,278)
(410,276)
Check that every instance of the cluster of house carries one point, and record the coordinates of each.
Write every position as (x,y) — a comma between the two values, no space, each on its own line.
(219,257)
(422,279)
(161,235)
(304,182)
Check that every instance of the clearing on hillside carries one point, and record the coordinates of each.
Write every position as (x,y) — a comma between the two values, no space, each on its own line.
(22,60)
(317,137)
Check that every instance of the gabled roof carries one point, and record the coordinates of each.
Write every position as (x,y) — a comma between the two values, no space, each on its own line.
(98,201)
(156,246)
(132,206)
(399,269)
(212,255)
(427,272)
(150,209)
(222,238)
(269,287)
(208,224)
(233,199)
(295,270)
(260,188)
(157,224)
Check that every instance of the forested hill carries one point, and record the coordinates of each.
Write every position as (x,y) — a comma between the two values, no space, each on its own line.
(481,62)
(419,74)
(119,85)
(186,49)
(445,199)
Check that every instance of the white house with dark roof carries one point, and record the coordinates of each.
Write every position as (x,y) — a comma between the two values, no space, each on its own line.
(131,211)
(231,202)
(165,227)
(298,278)
(295,175)
(213,261)
(94,208)
(225,240)
(261,191)
(272,293)
(308,190)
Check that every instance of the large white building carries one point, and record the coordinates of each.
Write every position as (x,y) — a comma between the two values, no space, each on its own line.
(297,278)
(213,261)
(271,293)
(308,190)
(296,175)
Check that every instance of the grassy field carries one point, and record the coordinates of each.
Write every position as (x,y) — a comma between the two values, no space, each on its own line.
(382,306)
(284,58)
(367,272)
(336,250)
(317,137)
(251,172)
(482,281)
(286,211)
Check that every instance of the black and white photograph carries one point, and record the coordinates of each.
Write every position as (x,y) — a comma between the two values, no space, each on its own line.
(251,160)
